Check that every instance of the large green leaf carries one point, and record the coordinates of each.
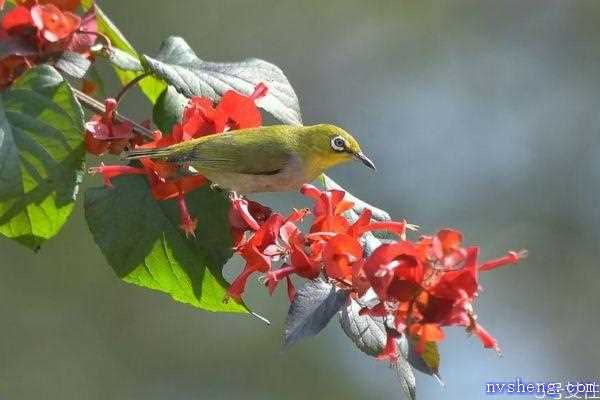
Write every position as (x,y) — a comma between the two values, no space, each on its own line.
(41,156)
(150,86)
(180,67)
(141,240)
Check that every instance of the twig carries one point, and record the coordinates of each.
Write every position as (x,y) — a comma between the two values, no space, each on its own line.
(94,105)
(129,85)
(107,43)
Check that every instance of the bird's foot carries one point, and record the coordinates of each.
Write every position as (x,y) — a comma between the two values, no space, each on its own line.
(233,196)
(187,170)
(215,187)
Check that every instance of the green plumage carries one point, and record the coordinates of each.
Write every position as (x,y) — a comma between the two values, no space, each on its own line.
(250,151)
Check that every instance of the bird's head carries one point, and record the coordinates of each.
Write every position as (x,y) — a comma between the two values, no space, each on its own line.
(325,146)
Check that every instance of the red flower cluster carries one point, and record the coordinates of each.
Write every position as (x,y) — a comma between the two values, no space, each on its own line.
(419,286)
(103,134)
(200,118)
(38,31)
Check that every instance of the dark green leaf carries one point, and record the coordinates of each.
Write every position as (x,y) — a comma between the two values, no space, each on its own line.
(73,64)
(41,156)
(168,109)
(141,240)
(179,66)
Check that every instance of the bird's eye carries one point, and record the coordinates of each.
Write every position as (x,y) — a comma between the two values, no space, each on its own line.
(338,144)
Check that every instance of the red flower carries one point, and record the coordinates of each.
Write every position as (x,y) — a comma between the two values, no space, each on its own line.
(340,254)
(188,223)
(328,209)
(82,42)
(246,215)
(512,257)
(486,339)
(17,19)
(253,251)
(104,134)
(52,23)
(394,271)
(240,112)
(69,5)
(458,283)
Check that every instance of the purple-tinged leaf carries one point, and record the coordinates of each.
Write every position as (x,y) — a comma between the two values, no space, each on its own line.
(15,46)
(314,305)
(81,42)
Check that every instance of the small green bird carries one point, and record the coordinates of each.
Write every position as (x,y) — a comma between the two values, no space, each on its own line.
(275,158)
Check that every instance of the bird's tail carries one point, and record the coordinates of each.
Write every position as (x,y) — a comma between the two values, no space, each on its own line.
(148,153)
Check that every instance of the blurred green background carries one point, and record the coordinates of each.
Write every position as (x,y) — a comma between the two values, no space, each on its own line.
(481,115)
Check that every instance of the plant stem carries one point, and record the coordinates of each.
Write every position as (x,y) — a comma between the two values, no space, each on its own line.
(106,39)
(94,105)
(129,85)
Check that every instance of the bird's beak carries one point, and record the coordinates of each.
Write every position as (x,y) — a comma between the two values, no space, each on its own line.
(365,160)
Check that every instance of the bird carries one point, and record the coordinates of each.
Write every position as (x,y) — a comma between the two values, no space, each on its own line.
(275,158)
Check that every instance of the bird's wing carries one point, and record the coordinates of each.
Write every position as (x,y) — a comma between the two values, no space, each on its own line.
(251,151)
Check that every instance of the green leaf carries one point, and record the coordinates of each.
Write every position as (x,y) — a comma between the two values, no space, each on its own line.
(141,240)
(180,67)
(168,109)
(73,64)
(150,86)
(124,61)
(41,156)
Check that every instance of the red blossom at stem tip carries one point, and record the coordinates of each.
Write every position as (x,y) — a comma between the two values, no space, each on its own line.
(421,286)
(104,134)
(188,223)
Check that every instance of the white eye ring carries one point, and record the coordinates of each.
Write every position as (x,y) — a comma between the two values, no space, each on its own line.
(338,143)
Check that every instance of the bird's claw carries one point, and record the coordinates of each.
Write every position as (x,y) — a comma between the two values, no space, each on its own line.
(233,196)
(215,187)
